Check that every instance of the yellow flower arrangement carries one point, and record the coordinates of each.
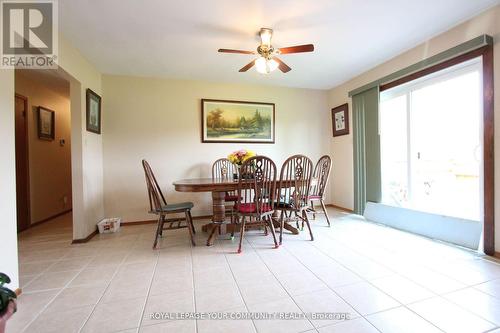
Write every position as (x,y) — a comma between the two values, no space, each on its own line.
(240,156)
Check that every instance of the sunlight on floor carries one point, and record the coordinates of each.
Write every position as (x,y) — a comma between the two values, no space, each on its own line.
(384,279)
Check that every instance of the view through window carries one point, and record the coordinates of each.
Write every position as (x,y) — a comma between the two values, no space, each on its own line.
(431,147)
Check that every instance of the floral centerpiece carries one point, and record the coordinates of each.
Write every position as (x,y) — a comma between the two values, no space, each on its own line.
(238,157)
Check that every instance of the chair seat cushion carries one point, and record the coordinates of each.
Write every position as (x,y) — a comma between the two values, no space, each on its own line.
(177,206)
(314,197)
(252,208)
(283,204)
(230,197)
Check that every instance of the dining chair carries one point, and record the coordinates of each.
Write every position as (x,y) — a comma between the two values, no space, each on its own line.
(158,206)
(321,175)
(293,192)
(256,195)
(224,169)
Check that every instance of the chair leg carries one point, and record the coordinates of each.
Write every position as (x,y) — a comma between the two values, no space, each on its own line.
(158,230)
(161,229)
(215,227)
(282,226)
(190,227)
(297,216)
(313,210)
(265,230)
(191,223)
(273,232)
(237,219)
(242,233)
(325,211)
(305,218)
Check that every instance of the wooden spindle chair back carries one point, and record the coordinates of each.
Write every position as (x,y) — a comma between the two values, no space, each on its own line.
(257,184)
(155,195)
(158,205)
(293,191)
(223,168)
(321,175)
(256,195)
(295,180)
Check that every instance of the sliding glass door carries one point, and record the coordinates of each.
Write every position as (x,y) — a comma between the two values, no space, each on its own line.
(430,136)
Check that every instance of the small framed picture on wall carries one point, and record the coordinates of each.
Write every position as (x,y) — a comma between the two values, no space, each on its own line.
(340,120)
(46,124)
(93,112)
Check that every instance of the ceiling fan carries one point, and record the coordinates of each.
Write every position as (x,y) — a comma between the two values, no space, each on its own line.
(267,60)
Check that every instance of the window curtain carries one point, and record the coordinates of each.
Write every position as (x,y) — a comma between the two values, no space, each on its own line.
(367,182)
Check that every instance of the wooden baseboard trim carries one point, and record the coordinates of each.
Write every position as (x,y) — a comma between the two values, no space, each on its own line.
(34,224)
(496,255)
(132,223)
(340,208)
(86,239)
(18,291)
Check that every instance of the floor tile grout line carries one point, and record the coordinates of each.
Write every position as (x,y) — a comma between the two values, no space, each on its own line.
(369,282)
(42,272)
(361,316)
(194,289)
(415,282)
(53,298)
(149,289)
(464,308)
(282,286)
(239,289)
(432,268)
(319,278)
(363,253)
(103,293)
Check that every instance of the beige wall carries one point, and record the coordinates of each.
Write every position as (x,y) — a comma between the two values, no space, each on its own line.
(160,120)
(50,163)
(8,224)
(86,156)
(86,147)
(341,147)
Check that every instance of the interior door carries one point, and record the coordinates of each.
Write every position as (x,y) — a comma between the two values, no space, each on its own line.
(22,168)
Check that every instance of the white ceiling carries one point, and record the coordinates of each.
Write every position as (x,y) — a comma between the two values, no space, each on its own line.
(179,39)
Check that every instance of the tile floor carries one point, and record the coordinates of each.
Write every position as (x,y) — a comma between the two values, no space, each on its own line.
(385,280)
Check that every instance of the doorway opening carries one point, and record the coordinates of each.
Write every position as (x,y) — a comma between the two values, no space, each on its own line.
(43,154)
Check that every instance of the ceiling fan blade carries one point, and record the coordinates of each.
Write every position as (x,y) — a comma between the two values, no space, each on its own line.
(247,66)
(297,49)
(282,66)
(236,51)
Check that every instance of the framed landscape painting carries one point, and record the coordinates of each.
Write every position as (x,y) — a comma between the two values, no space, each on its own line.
(237,121)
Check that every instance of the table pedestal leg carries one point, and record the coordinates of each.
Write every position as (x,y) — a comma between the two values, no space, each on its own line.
(287,226)
(219,215)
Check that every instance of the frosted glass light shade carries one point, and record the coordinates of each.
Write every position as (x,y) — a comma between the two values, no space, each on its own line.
(264,66)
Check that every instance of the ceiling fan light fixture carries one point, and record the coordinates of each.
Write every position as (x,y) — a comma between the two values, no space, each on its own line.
(273,64)
(267,60)
(265,35)
(265,66)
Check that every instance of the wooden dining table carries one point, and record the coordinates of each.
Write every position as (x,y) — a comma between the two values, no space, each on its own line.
(218,187)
